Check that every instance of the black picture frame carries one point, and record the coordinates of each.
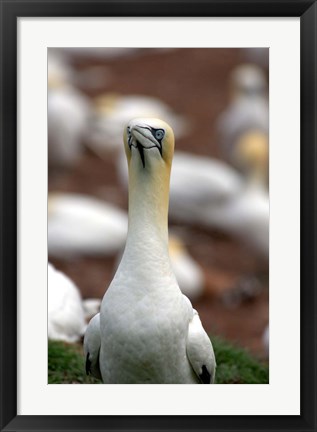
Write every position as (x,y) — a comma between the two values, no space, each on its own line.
(10,11)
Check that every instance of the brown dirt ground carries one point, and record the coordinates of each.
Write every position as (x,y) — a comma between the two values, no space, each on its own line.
(194,83)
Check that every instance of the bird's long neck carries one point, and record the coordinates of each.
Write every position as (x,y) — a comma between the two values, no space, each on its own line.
(148,208)
(145,259)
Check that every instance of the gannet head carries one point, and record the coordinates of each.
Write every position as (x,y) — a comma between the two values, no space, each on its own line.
(252,148)
(252,154)
(150,141)
(106,103)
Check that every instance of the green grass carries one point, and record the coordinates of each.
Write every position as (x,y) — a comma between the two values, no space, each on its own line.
(66,365)
(237,366)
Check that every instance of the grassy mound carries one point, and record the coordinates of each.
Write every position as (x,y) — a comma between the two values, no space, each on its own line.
(237,366)
(66,365)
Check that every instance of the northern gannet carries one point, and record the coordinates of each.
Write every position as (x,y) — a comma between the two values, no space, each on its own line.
(66,315)
(83,225)
(248,109)
(210,193)
(68,111)
(147,330)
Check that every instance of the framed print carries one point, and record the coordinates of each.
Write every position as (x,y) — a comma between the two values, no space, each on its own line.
(30,32)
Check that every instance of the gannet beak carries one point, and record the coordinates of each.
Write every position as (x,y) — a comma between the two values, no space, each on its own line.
(141,151)
(144,137)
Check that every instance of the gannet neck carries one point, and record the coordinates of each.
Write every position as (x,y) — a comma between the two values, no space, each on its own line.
(148,205)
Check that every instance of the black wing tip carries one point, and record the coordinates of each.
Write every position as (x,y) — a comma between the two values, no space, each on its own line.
(88,365)
(205,376)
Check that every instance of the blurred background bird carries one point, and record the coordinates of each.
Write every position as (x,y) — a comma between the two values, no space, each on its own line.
(247,112)
(68,111)
(84,225)
(111,113)
(216,100)
(67,313)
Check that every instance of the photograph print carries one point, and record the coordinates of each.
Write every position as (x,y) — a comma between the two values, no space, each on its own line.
(158,215)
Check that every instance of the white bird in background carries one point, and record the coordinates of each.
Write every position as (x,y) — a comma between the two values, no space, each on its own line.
(68,112)
(210,193)
(248,109)
(147,330)
(66,319)
(112,112)
(67,312)
(198,184)
(83,225)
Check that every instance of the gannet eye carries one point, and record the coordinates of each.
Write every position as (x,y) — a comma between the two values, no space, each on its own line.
(159,133)
(128,131)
